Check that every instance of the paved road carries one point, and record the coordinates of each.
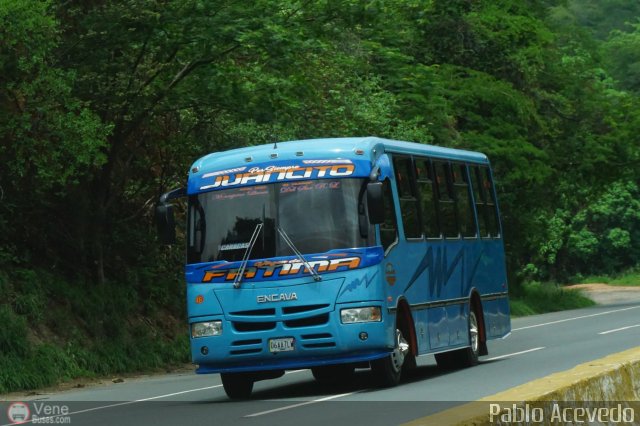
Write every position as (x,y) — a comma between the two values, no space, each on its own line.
(539,345)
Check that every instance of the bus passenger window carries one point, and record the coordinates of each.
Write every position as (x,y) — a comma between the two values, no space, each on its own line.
(388,229)
(479,195)
(463,198)
(405,184)
(446,200)
(428,201)
(490,206)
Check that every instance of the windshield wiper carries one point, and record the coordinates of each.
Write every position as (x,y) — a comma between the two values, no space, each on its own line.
(247,254)
(285,237)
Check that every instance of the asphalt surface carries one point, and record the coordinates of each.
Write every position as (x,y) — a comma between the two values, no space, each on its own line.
(538,346)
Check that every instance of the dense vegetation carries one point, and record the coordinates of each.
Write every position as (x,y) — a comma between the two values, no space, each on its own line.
(104,104)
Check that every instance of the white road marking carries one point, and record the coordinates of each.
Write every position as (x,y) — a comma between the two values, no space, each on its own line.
(328,398)
(288,407)
(120,404)
(620,329)
(176,393)
(514,354)
(102,407)
(575,318)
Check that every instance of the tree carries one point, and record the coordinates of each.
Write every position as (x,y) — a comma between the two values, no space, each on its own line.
(48,137)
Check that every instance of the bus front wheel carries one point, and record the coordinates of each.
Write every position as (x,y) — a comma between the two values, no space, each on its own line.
(237,385)
(389,369)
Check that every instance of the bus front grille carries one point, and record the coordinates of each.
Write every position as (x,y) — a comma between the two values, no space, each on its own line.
(246,326)
(305,308)
(307,322)
(256,312)
(317,341)
(245,351)
(246,342)
(246,347)
(319,345)
(316,336)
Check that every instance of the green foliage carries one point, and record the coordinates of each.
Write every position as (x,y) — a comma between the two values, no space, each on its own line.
(627,278)
(104,105)
(174,80)
(13,335)
(50,136)
(605,234)
(622,52)
(537,298)
(603,16)
(598,236)
(86,330)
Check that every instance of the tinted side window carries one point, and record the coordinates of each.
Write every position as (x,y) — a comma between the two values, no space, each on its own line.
(446,200)
(405,184)
(426,183)
(490,206)
(463,200)
(485,202)
(479,195)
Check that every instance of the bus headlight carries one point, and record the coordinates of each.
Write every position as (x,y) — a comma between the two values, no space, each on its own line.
(205,329)
(353,315)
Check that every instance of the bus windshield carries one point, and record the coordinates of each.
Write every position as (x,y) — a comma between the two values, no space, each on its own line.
(317,215)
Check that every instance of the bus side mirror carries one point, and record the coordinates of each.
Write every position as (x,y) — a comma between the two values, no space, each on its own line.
(375,202)
(166,223)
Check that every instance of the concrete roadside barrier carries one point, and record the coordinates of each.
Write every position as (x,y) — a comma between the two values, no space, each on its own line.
(603,391)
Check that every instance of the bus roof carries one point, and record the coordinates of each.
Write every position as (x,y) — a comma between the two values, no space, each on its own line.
(345,148)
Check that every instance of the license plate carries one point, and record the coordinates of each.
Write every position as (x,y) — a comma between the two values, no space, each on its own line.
(284,344)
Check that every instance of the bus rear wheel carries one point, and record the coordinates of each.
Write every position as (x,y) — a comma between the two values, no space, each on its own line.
(465,357)
(237,385)
(388,370)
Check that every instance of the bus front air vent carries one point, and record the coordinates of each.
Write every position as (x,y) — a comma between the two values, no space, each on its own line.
(307,322)
(255,312)
(246,326)
(305,308)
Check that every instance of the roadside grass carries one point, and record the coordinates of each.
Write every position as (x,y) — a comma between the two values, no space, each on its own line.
(537,298)
(629,278)
(54,330)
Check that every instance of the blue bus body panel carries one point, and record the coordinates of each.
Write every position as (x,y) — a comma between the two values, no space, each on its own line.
(306,310)
(436,279)
(278,298)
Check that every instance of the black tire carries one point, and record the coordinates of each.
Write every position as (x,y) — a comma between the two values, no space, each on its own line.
(465,357)
(388,370)
(333,374)
(237,385)
(469,356)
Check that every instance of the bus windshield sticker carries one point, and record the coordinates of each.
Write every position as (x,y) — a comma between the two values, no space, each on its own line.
(308,186)
(290,267)
(236,246)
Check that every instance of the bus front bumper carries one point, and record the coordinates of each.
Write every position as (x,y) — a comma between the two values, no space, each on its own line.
(288,348)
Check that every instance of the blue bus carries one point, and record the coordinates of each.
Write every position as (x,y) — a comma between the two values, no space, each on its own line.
(336,254)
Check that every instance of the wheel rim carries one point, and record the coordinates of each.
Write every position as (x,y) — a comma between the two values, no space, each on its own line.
(399,352)
(473,332)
